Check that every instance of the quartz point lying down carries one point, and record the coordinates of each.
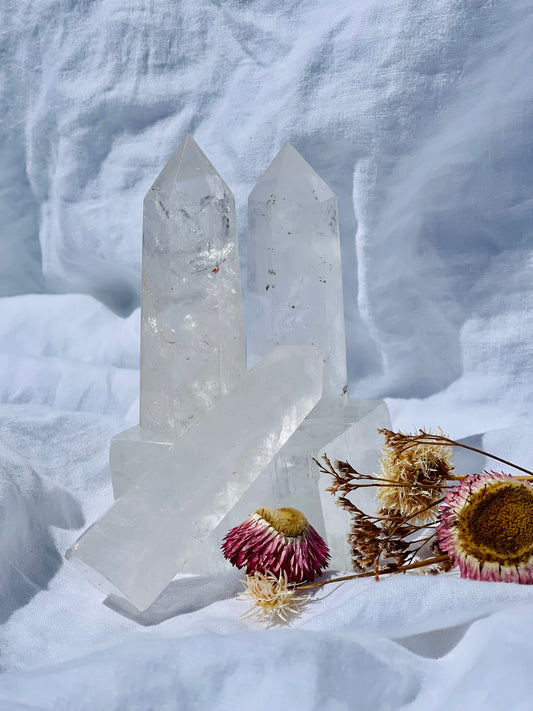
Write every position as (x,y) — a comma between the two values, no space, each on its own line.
(349,432)
(144,539)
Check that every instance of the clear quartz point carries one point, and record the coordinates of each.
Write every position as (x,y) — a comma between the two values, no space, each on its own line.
(147,536)
(294,267)
(192,341)
(295,297)
(192,336)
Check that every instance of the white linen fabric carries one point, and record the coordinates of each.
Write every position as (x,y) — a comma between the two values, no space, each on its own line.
(420,117)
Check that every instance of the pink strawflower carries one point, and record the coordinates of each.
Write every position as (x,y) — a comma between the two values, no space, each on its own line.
(279,542)
(486,527)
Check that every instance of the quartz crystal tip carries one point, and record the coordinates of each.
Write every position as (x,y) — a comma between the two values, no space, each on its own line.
(188,162)
(281,173)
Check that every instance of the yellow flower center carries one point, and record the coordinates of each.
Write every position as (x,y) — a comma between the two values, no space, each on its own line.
(289,522)
(496,525)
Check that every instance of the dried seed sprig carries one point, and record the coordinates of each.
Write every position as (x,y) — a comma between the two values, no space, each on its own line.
(398,532)
(395,530)
(364,538)
(390,536)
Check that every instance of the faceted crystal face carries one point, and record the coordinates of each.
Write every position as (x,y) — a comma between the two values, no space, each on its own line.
(132,453)
(192,340)
(294,266)
(147,536)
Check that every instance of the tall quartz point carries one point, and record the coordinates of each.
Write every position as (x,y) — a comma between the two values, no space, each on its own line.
(295,297)
(192,337)
(294,267)
(149,533)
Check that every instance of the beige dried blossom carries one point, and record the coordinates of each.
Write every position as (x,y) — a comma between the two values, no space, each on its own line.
(271,597)
(413,473)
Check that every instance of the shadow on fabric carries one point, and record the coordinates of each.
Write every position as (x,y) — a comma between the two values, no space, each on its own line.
(182,596)
(29,557)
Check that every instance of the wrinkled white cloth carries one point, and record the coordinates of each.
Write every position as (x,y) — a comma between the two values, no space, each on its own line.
(419,116)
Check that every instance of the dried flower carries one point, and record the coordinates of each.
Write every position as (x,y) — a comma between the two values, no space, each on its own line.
(271,597)
(395,530)
(413,473)
(364,540)
(486,526)
(278,541)
(344,477)
(390,537)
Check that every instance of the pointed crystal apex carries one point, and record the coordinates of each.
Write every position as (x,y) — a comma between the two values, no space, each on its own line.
(287,168)
(188,162)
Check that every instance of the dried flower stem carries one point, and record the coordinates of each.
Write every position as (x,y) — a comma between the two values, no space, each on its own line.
(410,486)
(405,441)
(523,477)
(383,571)
(376,539)
(401,523)
(423,542)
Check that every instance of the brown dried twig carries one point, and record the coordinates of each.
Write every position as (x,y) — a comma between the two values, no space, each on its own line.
(437,560)
(374,540)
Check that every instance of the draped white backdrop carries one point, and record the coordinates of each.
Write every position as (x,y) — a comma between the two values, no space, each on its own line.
(420,117)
